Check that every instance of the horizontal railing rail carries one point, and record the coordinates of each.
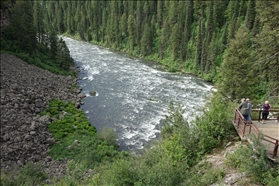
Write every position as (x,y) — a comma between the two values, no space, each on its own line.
(273,113)
(246,128)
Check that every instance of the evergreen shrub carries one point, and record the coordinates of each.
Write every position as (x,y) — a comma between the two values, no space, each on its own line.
(30,174)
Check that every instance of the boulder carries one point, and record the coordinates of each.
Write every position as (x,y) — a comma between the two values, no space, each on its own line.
(93,93)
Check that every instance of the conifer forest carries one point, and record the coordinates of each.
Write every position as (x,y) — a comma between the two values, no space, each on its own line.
(231,43)
(234,43)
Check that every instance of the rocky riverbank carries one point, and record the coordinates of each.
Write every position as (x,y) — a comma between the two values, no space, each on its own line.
(26,90)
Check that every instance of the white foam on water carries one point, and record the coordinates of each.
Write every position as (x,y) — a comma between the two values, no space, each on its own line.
(90,77)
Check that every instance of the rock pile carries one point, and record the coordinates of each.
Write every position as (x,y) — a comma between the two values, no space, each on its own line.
(26,91)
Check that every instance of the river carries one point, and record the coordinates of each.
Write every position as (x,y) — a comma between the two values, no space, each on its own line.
(132,95)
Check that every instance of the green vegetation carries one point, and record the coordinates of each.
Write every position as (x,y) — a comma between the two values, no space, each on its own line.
(233,44)
(77,139)
(172,161)
(253,161)
(28,37)
(30,174)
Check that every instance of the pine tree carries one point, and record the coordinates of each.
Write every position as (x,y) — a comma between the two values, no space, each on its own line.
(139,21)
(219,10)
(22,30)
(199,7)
(224,39)
(60,18)
(39,25)
(205,42)
(211,56)
(235,78)
(267,42)
(131,31)
(187,30)
(160,10)
(204,53)
(210,22)
(173,12)
(146,41)
(250,15)
(175,41)
(199,45)
(63,56)
(53,42)
(69,20)
(123,25)
(103,28)
(164,38)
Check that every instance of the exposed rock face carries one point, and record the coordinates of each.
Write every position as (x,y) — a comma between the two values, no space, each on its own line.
(25,92)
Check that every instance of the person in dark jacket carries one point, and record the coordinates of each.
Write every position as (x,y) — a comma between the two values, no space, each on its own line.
(265,111)
(244,109)
(250,109)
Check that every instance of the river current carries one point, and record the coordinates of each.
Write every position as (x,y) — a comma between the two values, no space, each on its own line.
(132,95)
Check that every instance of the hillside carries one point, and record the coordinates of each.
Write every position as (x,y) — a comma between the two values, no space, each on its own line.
(26,91)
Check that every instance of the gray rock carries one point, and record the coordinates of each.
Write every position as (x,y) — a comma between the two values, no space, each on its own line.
(16,106)
(25,105)
(6,137)
(39,103)
(33,125)
(27,137)
(81,95)
(14,86)
(50,141)
(44,118)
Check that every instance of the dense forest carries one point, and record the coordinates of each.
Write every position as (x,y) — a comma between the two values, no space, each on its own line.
(234,44)
(25,34)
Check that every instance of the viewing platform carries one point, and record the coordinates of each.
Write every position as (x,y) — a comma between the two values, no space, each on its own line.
(270,129)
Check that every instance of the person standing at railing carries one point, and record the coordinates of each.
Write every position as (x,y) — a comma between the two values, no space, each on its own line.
(243,108)
(249,110)
(265,111)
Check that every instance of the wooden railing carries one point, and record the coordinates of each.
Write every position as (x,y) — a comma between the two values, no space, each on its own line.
(246,128)
(274,112)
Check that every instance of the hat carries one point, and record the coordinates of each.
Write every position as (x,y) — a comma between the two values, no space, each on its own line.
(266,102)
(247,99)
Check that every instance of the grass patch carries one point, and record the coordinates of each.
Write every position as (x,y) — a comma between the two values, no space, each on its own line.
(75,137)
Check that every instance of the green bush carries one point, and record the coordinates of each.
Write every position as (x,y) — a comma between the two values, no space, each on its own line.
(215,125)
(109,136)
(203,174)
(257,166)
(30,174)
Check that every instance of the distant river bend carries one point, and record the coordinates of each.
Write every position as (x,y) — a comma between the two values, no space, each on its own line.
(132,96)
